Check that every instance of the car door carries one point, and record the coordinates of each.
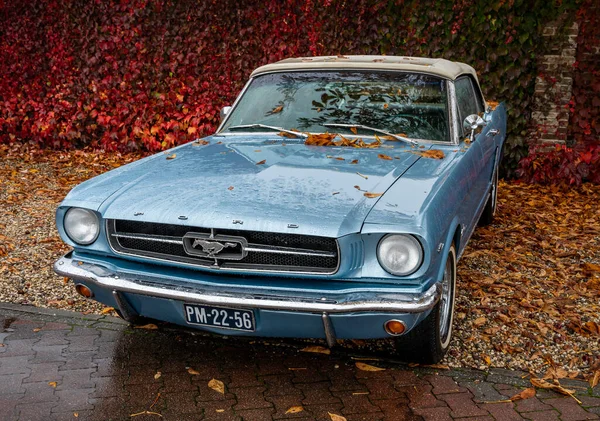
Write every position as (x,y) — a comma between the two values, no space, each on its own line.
(483,147)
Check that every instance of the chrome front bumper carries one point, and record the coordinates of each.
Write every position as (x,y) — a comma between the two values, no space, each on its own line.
(156,286)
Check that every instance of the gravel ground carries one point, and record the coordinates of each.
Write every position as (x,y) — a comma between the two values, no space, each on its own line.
(529,285)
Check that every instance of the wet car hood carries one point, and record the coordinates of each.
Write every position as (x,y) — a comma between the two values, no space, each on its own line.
(300,189)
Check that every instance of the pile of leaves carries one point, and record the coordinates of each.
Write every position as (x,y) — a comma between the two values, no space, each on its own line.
(149,74)
(563,165)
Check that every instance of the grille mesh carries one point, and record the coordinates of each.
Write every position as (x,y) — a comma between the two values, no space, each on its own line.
(254,260)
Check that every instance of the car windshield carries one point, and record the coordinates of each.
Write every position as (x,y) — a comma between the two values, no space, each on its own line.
(407,104)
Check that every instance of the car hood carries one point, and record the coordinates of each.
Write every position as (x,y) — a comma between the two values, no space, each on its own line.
(255,183)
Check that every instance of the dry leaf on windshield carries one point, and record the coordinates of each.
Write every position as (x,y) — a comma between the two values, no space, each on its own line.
(335,417)
(200,142)
(432,153)
(277,109)
(353,130)
(172,156)
(294,410)
(317,349)
(385,157)
(372,195)
(217,385)
(193,372)
(261,162)
(323,139)
(149,326)
(525,394)
(367,367)
(354,161)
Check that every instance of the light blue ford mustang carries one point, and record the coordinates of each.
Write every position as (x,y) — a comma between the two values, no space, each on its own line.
(332,202)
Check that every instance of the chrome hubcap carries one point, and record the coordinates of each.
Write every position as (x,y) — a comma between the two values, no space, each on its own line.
(446,301)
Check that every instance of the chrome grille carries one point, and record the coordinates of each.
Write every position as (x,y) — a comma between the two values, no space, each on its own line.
(273,252)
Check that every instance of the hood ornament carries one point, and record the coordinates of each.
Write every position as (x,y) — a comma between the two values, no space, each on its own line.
(211,248)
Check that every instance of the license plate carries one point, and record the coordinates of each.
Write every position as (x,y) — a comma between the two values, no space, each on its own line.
(221,317)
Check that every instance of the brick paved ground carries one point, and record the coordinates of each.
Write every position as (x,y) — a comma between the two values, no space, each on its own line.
(106,371)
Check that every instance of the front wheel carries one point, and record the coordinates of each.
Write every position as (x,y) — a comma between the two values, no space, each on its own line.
(428,342)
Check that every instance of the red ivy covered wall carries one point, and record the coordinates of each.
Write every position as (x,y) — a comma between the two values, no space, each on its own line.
(584,121)
(150,74)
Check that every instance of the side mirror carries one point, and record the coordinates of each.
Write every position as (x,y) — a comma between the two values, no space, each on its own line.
(473,123)
(224,112)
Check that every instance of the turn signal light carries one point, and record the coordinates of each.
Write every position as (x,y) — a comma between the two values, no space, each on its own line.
(395,327)
(83,290)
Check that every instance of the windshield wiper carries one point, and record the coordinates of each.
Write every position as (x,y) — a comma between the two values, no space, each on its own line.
(360,126)
(264,126)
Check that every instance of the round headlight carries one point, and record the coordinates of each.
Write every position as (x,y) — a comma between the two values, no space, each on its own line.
(400,254)
(81,225)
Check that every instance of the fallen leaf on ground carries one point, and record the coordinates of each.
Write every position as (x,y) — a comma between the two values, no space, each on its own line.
(53,384)
(525,394)
(480,321)
(317,349)
(37,329)
(107,310)
(193,372)
(367,367)
(219,410)
(76,414)
(594,379)
(149,326)
(294,410)
(372,195)
(172,156)
(217,385)
(145,413)
(157,375)
(261,162)
(335,417)
(543,384)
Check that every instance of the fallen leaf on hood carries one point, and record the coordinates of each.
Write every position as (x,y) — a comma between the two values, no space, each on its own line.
(200,142)
(386,157)
(354,161)
(107,310)
(335,417)
(317,349)
(288,135)
(372,195)
(525,394)
(294,410)
(172,156)
(335,192)
(193,372)
(217,385)
(277,109)
(363,176)
(339,158)
(261,162)
(230,188)
(157,375)
(432,153)
(149,326)
(367,367)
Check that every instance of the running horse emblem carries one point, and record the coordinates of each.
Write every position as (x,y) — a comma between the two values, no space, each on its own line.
(211,248)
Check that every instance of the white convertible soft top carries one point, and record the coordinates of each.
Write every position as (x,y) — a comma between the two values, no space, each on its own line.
(434,66)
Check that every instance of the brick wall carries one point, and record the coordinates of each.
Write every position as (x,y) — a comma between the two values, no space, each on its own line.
(553,86)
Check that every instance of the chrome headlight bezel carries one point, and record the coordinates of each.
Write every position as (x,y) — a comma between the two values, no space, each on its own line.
(415,258)
(76,218)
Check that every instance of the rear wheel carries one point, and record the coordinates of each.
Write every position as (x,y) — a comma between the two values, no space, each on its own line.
(489,211)
(429,340)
